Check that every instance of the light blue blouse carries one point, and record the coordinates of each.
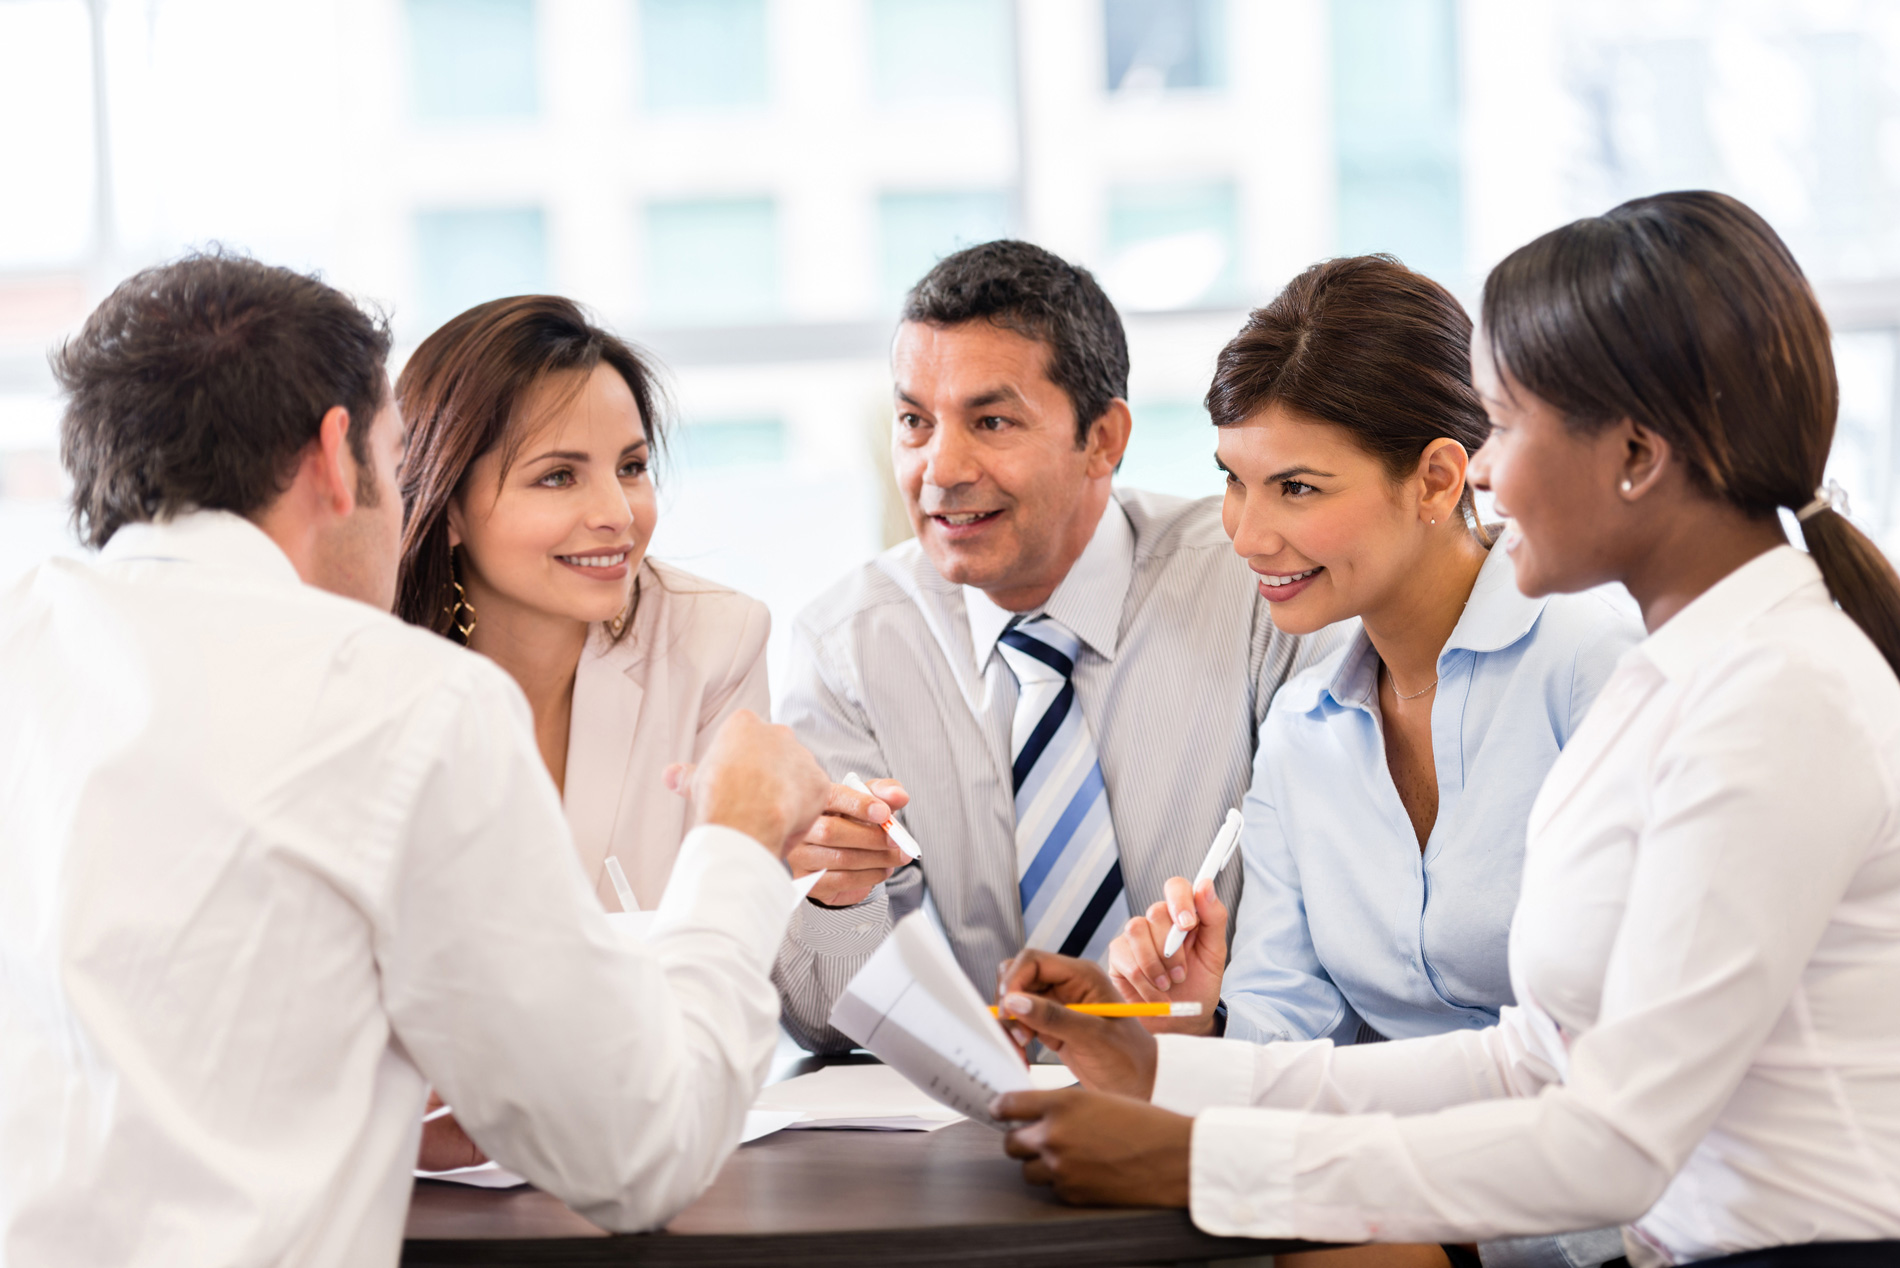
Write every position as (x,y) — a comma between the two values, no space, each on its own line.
(1342,919)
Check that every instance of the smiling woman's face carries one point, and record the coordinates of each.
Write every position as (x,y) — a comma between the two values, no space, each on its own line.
(1555,484)
(1324,526)
(564,529)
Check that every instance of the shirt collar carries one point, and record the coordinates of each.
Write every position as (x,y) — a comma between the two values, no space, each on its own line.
(1088,601)
(1686,640)
(1497,615)
(219,539)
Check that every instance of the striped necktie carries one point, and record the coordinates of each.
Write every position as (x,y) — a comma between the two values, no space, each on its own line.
(1068,867)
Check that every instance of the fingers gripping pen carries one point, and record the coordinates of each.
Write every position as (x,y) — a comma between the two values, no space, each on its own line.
(905,841)
(1218,854)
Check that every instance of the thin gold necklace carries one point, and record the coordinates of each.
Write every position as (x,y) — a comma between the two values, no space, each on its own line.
(1400,694)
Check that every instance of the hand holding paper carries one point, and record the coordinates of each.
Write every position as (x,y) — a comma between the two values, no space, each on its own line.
(913,1008)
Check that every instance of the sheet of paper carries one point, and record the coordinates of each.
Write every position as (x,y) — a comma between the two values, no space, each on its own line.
(488,1175)
(762,1123)
(1047,1078)
(855,1097)
(913,1008)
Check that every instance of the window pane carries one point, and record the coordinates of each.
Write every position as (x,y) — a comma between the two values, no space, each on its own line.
(730,443)
(46,145)
(700,53)
(933,50)
(1171,450)
(1171,246)
(712,260)
(1155,44)
(917,230)
(1395,103)
(472,59)
(467,257)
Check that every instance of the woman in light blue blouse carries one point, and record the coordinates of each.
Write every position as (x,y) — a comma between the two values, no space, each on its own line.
(1385,826)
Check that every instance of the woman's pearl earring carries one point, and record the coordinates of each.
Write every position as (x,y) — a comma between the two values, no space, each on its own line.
(1628,487)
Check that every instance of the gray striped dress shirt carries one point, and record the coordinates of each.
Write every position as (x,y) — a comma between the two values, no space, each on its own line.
(1179,662)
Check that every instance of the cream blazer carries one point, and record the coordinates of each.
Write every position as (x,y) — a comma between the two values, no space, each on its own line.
(695,654)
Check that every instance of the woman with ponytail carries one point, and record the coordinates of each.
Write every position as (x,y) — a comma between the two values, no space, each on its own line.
(1706,951)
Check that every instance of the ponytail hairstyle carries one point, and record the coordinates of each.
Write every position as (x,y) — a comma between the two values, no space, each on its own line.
(1686,313)
(1369,346)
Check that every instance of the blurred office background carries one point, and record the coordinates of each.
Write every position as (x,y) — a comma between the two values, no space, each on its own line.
(747,187)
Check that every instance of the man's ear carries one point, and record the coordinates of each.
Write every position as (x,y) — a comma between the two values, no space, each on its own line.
(1108,438)
(333,462)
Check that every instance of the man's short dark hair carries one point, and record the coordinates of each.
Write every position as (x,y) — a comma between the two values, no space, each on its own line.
(198,384)
(1040,296)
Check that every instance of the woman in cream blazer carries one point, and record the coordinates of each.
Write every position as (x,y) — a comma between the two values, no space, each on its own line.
(694,656)
(528,507)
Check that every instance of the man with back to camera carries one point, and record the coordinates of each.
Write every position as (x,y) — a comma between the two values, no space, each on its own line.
(273,859)
(1065,680)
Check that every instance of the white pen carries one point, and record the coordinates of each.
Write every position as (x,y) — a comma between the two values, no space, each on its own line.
(619,877)
(905,841)
(1218,854)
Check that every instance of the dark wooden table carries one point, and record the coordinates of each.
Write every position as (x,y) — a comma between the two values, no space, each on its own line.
(834,1198)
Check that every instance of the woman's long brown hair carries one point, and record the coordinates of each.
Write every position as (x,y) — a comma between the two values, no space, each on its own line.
(459,393)
(1687,313)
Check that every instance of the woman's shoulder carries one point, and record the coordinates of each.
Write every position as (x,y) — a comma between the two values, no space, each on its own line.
(718,618)
(1598,623)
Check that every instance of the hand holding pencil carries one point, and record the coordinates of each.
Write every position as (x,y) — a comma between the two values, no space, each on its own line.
(1073,1009)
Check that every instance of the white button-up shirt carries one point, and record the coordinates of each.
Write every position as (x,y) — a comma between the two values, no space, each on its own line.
(1706,958)
(270,861)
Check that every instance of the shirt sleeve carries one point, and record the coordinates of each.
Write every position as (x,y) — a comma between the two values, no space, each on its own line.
(1274,986)
(1722,916)
(612,1074)
(826,946)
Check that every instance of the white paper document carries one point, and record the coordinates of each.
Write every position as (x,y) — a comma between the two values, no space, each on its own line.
(913,1008)
(855,1097)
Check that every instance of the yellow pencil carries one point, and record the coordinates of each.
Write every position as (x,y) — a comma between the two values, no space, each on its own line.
(1130,1010)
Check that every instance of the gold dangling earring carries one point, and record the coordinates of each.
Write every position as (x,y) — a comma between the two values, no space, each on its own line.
(461,606)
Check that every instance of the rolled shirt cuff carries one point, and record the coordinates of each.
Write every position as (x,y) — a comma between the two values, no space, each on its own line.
(1240,1181)
(1193,1073)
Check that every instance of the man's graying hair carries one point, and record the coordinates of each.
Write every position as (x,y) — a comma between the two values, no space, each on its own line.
(1023,288)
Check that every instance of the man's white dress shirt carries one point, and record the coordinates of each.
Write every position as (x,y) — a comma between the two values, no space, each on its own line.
(271,862)
(1706,959)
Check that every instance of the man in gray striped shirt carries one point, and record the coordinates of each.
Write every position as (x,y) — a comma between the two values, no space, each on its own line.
(1067,679)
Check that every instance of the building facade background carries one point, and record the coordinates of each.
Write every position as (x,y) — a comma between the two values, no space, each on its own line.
(747,188)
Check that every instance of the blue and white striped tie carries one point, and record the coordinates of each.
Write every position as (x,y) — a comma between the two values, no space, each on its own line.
(1068,867)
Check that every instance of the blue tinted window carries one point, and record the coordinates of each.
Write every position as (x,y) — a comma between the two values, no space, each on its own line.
(1173,245)
(917,230)
(932,50)
(1171,450)
(697,54)
(1154,44)
(1396,119)
(712,260)
(472,59)
(466,257)
(730,443)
